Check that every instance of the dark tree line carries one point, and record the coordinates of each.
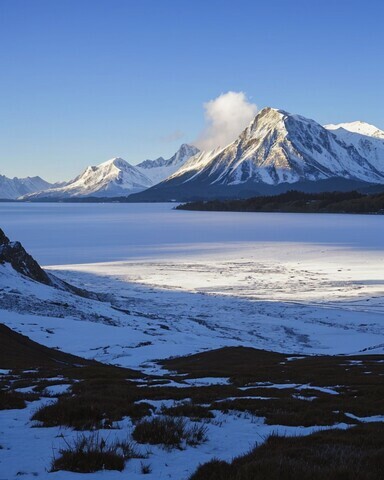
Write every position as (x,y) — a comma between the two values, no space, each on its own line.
(297,202)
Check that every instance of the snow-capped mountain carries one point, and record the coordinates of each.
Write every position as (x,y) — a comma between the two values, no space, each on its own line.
(161,168)
(116,177)
(113,178)
(275,152)
(362,128)
(12,188)
(367,139)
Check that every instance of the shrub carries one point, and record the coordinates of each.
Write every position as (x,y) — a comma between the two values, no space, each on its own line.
(86,413)
(146,468)
(196,434)
(160,430)
(353,454)
(89,454)
(168,431)
(128,449)
(213,470)
(188,410)
(10,400)
(71,412)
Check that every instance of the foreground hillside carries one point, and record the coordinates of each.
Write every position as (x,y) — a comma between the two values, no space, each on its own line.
(66,414)
(297,202)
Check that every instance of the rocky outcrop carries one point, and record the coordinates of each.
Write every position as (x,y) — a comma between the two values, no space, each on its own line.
(22,262)
(15,254)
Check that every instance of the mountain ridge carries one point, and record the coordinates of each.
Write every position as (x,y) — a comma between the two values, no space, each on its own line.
(116,177)
(13,188)
(111,178)
(277,148)
(161,168)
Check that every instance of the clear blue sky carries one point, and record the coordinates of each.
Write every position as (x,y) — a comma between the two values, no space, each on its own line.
(82,81)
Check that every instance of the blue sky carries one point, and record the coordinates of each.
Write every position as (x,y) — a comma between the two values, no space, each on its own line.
(82,81)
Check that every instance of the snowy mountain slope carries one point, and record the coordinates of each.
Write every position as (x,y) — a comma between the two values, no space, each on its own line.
(367,139)
(277,148)
(12,188)
(113,178)
(159,169)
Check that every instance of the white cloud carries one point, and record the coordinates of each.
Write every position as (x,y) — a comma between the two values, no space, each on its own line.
(226,116)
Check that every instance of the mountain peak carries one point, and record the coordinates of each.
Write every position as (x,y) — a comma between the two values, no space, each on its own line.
(187,147)
(161,168)
(266,119)
(267,110)
(116,161)
(363,128)
(183,153)
(269,113)
(113,178)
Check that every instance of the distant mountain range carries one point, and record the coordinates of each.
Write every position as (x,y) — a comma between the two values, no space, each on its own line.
(113,178)
(12,188)
(117,178)
(277,152)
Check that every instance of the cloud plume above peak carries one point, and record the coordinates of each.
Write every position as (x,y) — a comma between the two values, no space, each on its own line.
(226,116)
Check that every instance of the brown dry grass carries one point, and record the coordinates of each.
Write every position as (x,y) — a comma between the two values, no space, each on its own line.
(354,454)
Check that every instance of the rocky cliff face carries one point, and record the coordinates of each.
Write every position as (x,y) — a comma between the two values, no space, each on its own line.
(15,254)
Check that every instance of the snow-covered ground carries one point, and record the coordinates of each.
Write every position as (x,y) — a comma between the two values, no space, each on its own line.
(181,282)
(188,281)
(28,450)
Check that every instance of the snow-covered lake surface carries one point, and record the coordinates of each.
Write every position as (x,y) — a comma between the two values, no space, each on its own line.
(288,282)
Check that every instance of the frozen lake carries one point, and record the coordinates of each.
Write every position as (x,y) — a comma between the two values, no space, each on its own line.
(287,282)
(59,233)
